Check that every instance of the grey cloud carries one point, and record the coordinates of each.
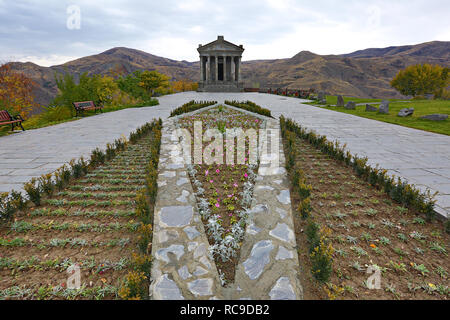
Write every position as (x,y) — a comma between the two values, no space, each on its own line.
(39,29)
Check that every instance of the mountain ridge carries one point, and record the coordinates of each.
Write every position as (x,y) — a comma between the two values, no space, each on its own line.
(363,73)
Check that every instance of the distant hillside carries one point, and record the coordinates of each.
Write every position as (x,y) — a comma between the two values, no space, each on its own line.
(363,73)
(436,49)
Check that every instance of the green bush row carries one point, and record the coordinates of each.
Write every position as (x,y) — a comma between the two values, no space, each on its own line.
(137,282)
(249,106)
(320,249)
(400,191)
(14,201)
(191,106)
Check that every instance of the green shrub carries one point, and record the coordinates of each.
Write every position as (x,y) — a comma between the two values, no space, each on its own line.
(250,106)
(33,190)
(312,234)
(321,256)
(142,208)
(191,106)
(17,200)
(110,151)
(97,158)
(46,184)
(321,265)
(66,174)
(7,209)
(79,168)
(304,190)
(304,208)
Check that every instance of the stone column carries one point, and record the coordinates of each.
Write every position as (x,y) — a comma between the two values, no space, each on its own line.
(201,68)
(208,68)
(232,69)
(216,78)
(239,69)
(224,68)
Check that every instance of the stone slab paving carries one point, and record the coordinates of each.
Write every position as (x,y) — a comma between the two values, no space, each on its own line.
(182,268)
(422,158)
(268,264)
(28,154)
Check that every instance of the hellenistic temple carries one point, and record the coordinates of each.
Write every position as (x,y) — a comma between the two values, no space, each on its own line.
(220,66)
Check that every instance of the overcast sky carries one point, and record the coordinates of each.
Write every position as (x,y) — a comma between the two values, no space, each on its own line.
(46,32)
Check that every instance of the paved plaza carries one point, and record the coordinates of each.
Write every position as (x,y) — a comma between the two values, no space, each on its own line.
(422,158)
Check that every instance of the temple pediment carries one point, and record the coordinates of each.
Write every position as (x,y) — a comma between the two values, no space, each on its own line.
(220,45)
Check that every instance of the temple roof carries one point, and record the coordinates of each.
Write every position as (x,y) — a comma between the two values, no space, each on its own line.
(220,45)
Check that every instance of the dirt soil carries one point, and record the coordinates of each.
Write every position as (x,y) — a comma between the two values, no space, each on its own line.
(368,228)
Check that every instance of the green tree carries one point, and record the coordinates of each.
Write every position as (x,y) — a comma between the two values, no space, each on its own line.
(153,81)
(130,85)
(420,79)
(106,87)
(69,91)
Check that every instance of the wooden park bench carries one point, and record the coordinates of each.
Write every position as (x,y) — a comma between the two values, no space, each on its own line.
(80,107)
(14,121)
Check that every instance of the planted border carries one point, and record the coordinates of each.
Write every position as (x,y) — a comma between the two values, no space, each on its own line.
(137,282)
(47,184)
(191,106)
(398,190)
(320,248)
(370,232)
(218,187)
(250,106)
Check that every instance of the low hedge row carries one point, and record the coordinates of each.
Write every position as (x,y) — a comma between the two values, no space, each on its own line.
(320,248)
(11,202)
(191,106)
(137,282)
(398,190)
(250,106)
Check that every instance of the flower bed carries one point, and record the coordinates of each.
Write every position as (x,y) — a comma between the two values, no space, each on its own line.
(358,220)
(250,106)
(224,191)
(86,214)
(191,106)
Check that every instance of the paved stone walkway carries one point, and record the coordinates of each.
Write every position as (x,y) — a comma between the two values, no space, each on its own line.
(423,158)
(182,268)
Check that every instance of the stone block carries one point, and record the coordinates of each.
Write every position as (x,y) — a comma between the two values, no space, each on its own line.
(435,117)
(406,112)
(370,108)
(350,105)
(340,101)
(384,107)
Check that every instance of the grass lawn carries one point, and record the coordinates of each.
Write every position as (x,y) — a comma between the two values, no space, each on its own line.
(421,108)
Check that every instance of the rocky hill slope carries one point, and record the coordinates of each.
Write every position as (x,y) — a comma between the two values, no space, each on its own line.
(364,73)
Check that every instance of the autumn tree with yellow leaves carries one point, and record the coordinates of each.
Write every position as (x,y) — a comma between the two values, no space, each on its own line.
(421,79)
(16,92)
(183,85)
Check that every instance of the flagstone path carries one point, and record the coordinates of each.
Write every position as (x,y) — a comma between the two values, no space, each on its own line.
(422,158)
(182,268)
